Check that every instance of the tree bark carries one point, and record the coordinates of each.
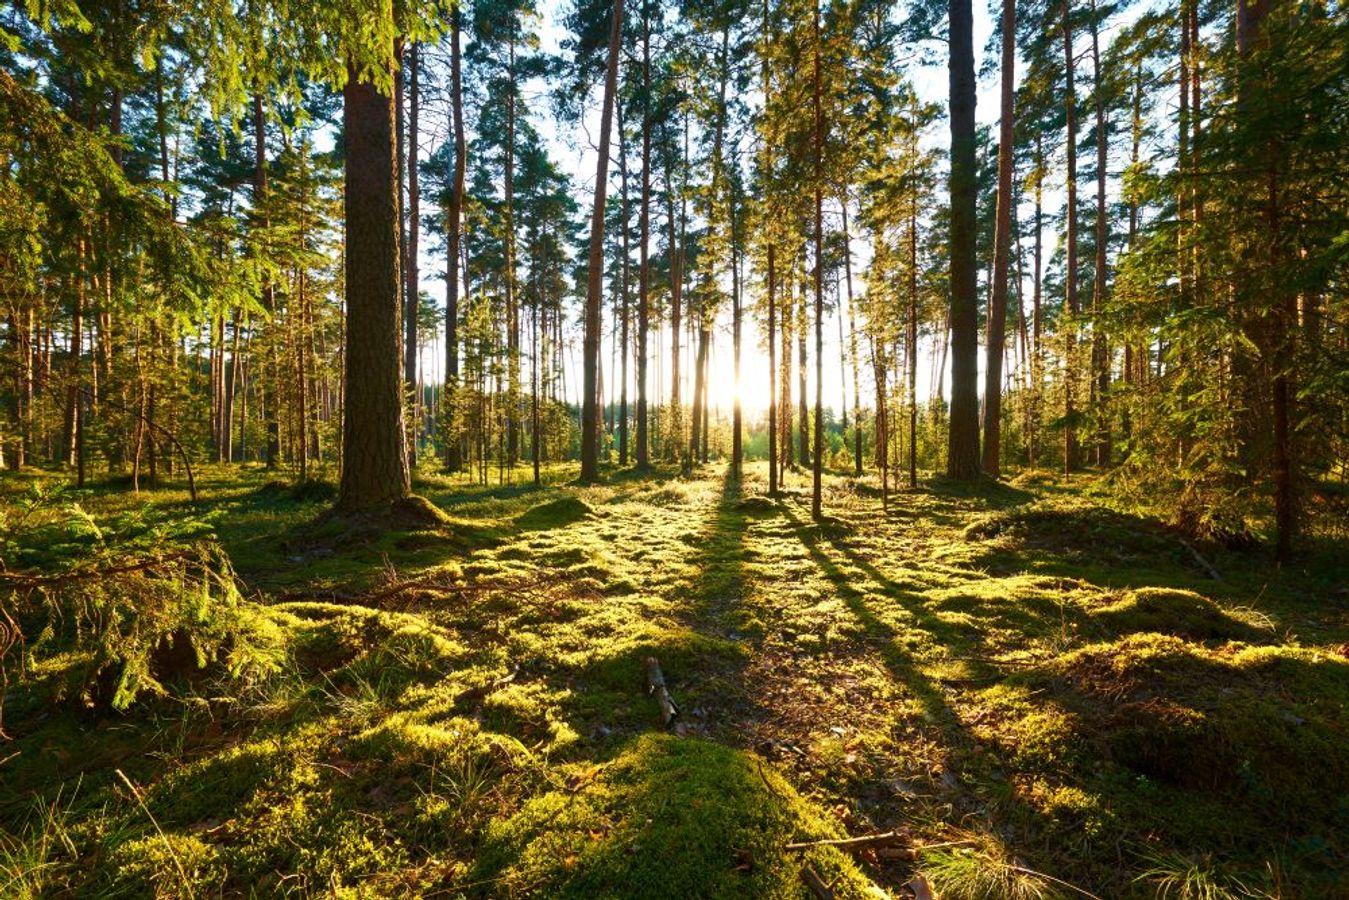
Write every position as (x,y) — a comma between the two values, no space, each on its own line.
(818,455)
(595,272)
(411,357)
(1100,349)
(374,453)
(963,451)
(626,314)
(453,451)
(1002,232)
(1070,448)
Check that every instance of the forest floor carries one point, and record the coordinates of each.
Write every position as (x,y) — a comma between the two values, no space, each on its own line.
(1047,696)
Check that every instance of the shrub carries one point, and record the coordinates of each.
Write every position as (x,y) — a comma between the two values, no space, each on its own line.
(121,605)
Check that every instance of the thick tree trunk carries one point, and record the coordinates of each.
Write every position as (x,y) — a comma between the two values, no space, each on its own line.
(374,453)
(699,373)
(963,451)
(1037,352)
(595,272)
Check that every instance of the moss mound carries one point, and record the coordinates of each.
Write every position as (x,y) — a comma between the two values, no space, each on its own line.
(1175,612)
(1074,529)
(1246,723)
(557,513)
(669,817)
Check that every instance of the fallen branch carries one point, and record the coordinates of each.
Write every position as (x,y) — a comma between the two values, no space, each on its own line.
(884,839)
(766,783)
(655,684)
(25,583)
(1208,567)
(816,884)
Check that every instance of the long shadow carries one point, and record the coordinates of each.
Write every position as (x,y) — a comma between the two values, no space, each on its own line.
(884,636)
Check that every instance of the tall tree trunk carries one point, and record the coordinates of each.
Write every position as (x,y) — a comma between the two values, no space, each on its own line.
(1002,233)
(787,453)
(676,308)
(74,375)
(512,301)
(536,439)
(963,451)
(802,361)
(590,470)
(852,344)
(1100,349)
(772,375)
(453,227)
(643,267)
(1278,332)
(818,455)
(1037,324)
(374,452)
(269,379)
(737,423)
(1070,448)
(699,373)
(411,356)
(911,338)
(624,322)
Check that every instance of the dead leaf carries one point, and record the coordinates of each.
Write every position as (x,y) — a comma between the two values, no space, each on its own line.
(921,889)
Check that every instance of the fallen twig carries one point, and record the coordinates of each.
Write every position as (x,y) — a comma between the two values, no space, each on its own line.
(768,784)
(22,583)
(888,838)
(655,683)
(1208,567)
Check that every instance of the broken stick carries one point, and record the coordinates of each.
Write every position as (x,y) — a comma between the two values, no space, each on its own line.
(1205,564)
(816,884)
(655,684)
(884,839)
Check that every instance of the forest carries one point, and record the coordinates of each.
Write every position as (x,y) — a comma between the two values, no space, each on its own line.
(674,448)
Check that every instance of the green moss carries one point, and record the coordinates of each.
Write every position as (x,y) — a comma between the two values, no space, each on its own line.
(669,817)
(1052,681)
(1177,612)
(557,513)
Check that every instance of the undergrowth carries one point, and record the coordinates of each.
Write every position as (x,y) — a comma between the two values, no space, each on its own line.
(1043,694)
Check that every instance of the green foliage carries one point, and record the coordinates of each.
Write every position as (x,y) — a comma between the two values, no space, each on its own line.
(133,602)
